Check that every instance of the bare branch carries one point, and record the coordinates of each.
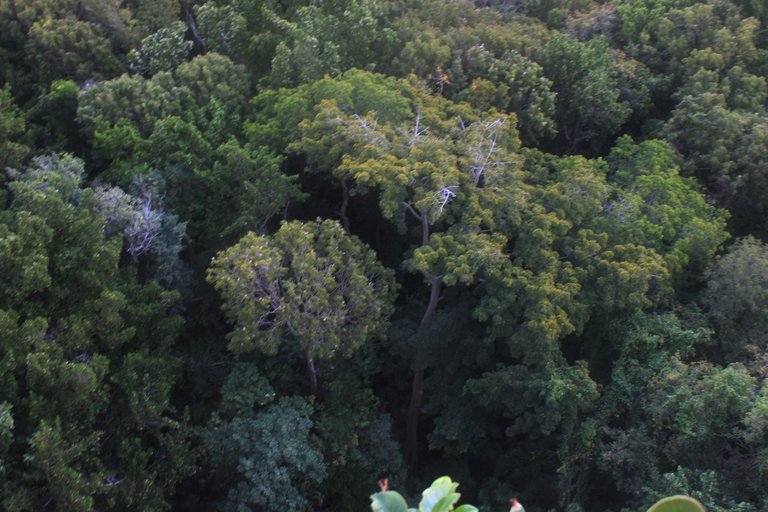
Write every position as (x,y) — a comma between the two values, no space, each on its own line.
(371,135)
(482,157)
(416,132)
(362,122)
(490,150)
(445,195)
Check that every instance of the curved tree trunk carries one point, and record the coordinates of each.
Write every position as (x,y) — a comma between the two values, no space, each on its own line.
(417,387)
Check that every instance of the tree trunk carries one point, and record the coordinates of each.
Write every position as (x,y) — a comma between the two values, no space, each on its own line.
(195,34)
(417,387)
(311,371)
(344,205)
(412,424)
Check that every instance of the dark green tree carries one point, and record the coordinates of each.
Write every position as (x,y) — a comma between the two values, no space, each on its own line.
(12,125)
(264,449)
(87,370)
(597,89)
(736,298)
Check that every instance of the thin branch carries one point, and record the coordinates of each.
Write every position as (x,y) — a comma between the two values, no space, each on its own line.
(490,151)
(362,122)
(416,132)
(416,128)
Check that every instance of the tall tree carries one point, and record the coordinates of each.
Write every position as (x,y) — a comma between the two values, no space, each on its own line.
(310,284)
(449,187)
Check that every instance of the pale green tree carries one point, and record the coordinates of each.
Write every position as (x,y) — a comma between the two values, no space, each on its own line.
(309,284)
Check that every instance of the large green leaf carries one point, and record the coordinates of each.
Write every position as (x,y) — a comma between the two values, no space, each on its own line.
(388,501)
(677,504)
(440,496)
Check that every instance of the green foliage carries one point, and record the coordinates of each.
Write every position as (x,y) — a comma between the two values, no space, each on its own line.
(661,412)
(677,504)
(71,481)
(548,400)
(736,297)
(388,501)
(6,437)
(223,28)
(12,125)
(441,496)
(477,56)
(315,44)
(532,233)
(153,15)
(668,35)
(279,112)
(589,79)
(264,453)
(310,281)
(659,209)
(565,265)
(512,83)
(44,40)
(356,439)
(310,285)
(250,180)
(704,491)
(563,338)
(86,350)
(272,452)
(51,117)
(192,94)
(710,133)
(708,402)
(67,48)
(162,51)
(153,236)
(132,99)
(244,389)
(185,124)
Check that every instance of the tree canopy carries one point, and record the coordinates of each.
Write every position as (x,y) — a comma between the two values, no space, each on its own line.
(261,255)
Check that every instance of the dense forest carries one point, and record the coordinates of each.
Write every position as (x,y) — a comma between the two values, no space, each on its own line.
(259,254)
